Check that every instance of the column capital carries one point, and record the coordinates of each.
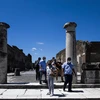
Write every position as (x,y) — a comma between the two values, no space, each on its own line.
(70,26)
(3,24)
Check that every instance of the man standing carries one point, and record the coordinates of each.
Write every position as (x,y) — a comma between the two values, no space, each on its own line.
(37,68)
(68,70)
(42,68)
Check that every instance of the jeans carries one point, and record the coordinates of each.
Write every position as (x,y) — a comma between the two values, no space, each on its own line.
(41,73)
(68,79)
(51,84)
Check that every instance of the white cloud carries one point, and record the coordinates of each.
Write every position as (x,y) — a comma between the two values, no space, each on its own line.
(41,43)
(33,49)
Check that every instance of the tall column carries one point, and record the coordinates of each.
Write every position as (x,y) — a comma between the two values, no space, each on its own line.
(3,52)
(71,42)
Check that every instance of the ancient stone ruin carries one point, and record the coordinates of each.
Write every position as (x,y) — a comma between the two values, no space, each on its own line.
(71,43)
(18,59)
(3,52)
(88,60)
(11,58)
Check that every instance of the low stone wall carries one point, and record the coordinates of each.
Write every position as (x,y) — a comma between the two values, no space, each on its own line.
(91,76)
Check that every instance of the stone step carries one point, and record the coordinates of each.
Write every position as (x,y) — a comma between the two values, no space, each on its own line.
(33,94)
(53,99)
(43,86)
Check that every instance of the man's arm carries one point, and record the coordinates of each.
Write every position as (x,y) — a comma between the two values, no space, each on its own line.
(74,71)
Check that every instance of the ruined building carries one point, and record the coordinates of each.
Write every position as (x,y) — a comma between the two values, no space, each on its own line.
(87,52)
(88,60)
(17,59)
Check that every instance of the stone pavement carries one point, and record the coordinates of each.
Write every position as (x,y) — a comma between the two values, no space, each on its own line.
(32,94)
(25,87)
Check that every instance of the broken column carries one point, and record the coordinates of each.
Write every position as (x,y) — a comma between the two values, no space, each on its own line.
(3,52)
(71,43)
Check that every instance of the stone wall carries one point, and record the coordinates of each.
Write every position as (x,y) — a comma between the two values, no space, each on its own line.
(3,52)
(88,61)
(87,52)
(61,56)
(80,50)
(17,59)
(93,52)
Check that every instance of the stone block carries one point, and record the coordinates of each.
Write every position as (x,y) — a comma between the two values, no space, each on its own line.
(17,72)
(91,76)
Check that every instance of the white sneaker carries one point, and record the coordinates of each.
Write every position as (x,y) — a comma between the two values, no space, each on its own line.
(48,93)
(51,95)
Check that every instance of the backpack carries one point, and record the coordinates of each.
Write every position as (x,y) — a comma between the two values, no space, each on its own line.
(36,64)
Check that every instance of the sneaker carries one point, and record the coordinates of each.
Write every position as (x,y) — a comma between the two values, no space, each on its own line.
(48,93)
(51,95)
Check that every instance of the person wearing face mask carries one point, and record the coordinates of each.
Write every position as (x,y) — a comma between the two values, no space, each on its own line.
(42,69)
(51,71)
(68,70)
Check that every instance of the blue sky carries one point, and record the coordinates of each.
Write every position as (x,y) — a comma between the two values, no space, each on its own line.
(38,24)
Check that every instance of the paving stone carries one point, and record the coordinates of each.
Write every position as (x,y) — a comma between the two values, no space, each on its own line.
(92,96)
(31,93)
(42,93)
(92,91)
(12,93)
(2,91)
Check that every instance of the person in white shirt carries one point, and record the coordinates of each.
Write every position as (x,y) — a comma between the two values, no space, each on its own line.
(51,69)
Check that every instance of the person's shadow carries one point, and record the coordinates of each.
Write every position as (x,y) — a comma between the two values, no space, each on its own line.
(60,95)
(77,91)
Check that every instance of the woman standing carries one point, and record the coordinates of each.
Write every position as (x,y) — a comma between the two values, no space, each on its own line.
(51,71)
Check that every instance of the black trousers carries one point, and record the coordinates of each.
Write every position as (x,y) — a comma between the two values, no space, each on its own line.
(37,74)
(68,79)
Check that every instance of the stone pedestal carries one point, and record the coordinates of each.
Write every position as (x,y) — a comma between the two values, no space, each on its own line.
(90,73)
(3,52)
(17,72)
(71,43)
(91,76)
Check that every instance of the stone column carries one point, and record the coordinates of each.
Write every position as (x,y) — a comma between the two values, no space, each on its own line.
(3,52)
(71,43)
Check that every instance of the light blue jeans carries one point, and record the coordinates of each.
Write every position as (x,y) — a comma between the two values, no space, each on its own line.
(51,84)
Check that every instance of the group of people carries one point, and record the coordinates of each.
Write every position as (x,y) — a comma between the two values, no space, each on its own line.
(51,69)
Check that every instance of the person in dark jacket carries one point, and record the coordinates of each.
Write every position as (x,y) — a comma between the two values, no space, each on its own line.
(37,68)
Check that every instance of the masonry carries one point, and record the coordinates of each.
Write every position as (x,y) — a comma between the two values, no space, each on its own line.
(88,55)
(18,59)
(11,57)
(3,52)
